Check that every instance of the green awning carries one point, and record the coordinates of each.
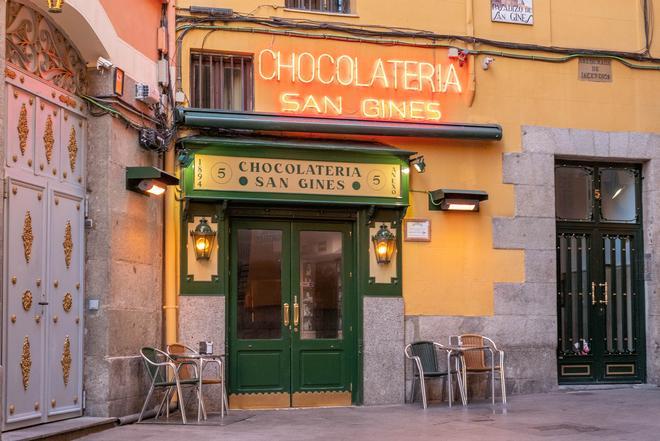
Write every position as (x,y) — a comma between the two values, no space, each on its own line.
(245,143)
(265,122)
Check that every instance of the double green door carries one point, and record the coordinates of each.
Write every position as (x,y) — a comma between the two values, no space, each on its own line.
(291,312)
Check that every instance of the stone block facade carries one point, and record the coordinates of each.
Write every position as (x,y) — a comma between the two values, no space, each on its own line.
(124,267)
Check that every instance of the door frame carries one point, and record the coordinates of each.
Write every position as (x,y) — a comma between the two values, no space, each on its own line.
(598,229)
(302,215)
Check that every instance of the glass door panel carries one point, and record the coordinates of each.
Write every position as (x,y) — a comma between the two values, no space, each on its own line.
(321,274)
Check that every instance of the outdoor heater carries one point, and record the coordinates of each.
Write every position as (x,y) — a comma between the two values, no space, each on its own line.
(149,180)
(456,200)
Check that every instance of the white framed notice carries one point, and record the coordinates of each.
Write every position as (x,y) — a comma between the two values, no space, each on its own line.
(417,230)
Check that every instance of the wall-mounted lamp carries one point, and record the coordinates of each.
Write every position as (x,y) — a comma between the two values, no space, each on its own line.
(384,244)
(203,238)
(149,180)
(456,200)
(417,163)
(184,157)
(55,6)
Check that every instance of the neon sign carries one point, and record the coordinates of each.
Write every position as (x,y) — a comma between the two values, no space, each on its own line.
(367,86)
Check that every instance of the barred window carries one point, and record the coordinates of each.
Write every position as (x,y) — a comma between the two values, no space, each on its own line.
(338,6)
(222,81)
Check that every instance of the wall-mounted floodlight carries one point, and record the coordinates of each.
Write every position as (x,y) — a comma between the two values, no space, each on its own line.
(418,164)
(149,180)
(456,200)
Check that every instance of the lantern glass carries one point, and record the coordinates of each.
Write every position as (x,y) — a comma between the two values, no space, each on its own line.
(203,238)
(55,5)
(384,245)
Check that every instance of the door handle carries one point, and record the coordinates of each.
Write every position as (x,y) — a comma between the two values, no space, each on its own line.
(593,293)
(296,311)
(606,286)
(286,314)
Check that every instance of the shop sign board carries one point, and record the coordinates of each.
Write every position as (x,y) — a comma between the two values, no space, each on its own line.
(598,70)
(365,81)
(512,11)
(294,176)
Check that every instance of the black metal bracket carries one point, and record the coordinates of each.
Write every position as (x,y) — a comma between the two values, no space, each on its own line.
(371,214)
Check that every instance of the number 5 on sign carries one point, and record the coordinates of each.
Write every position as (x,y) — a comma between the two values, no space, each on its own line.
(221,172)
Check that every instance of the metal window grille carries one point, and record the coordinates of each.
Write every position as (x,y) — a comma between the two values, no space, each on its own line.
(220,81)
(338,6)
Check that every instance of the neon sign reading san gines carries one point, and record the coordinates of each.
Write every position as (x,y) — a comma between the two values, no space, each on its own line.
(346,85)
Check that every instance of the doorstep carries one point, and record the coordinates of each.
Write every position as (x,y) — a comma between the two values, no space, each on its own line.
(61,430)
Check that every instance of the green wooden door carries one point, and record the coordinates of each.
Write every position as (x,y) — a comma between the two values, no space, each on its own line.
(600,302)
(291,312)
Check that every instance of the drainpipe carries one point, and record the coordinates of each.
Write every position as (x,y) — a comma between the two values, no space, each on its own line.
(170,257)
(171,228)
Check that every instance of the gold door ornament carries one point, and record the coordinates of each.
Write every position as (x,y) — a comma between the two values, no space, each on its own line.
(27,236)
(49,139)
(67,244)
(27,300)
(26,363)
(73,149)
(67,302)
(65,361)
(23,129)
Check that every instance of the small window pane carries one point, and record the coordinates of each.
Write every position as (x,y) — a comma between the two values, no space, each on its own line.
(618,195)
(337,6)
(573,190)
(222,82)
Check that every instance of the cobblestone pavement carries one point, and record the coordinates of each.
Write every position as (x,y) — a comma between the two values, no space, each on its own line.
(612,414)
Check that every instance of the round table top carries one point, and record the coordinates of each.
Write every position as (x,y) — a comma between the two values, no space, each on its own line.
(195,356)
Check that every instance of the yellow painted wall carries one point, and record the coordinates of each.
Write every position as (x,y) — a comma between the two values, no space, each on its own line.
(455,273)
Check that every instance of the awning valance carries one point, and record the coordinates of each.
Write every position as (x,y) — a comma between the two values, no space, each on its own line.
(265,122)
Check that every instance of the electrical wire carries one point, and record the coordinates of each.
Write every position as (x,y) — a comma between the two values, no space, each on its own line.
(519,56)
(376,32)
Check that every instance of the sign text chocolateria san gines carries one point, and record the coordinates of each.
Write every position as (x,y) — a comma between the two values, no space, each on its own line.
(244,174)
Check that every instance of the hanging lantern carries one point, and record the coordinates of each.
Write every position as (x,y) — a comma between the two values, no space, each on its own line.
(384,244)
(203,239)
(55,6)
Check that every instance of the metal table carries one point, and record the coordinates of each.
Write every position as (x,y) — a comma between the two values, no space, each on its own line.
(199,359)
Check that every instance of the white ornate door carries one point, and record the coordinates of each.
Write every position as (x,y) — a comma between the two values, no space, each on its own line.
(44,223)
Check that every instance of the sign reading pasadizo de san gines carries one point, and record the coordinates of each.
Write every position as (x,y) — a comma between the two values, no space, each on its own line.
(512,11)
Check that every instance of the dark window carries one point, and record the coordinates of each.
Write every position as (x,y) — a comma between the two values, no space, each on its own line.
(220,81)
(338,6)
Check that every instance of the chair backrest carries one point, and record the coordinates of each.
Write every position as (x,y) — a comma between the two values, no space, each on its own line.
(153,355)
(186,371)
(425,350)
(473,359)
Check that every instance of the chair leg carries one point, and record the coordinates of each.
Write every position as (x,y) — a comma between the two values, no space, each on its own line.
(412,389)
(182,405)
(422,385)
(146,401)
(461,384)
(492,386)
(503,386)
(163,402)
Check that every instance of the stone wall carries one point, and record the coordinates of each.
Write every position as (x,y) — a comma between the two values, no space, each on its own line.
(383,366)
(202,318)
(123,266)
(524,323)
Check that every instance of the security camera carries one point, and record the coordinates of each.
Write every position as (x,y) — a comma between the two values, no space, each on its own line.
(487,62)
(102,63)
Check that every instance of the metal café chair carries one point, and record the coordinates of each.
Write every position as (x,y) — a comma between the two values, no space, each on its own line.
(157,362)
(180,348)
(474,360)
(425,366)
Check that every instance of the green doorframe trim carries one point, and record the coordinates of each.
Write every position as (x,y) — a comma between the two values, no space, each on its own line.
(212,118)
